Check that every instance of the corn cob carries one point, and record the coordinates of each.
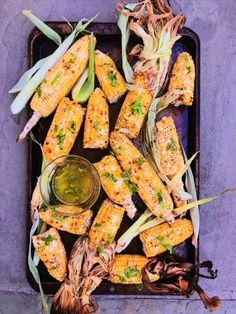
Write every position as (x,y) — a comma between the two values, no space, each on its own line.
(182,78)
(105,225)
(109,77)
(64,129)
(113,183)
(134,109)
(52,252)
(127,269)
(96,130)
(57,218)
(157,240)
(58,82)
(171,158)
(150,188)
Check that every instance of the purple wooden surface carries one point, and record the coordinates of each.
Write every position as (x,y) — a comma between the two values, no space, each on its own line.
(214,21)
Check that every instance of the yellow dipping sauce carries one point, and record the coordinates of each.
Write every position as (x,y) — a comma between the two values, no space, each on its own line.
(72,184)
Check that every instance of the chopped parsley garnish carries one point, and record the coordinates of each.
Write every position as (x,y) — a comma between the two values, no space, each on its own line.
(131,272)
(101,248)
(73,127)
(96,127)
(118,151)
(97,225)
(121,278)
(133,188)
(160,197)
(58,216)
(55,128)
(137,107)
(172,146)
(189,69)
(113,78)
(44,81)
(60,138)
(167,246)
(39,91)
(56,78)
(140,287)
(139,160)
(47,240)
(110,239)
(110,176)
(126,175)
(186,57)
(73,179)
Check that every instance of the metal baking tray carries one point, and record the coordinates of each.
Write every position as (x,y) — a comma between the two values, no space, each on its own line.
(186,119)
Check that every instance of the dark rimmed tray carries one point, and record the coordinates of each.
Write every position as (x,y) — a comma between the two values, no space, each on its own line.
(187,122)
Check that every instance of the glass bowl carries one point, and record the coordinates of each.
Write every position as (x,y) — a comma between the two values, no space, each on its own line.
(70,180)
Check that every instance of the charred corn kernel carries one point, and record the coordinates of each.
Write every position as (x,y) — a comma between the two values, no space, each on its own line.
(171,157)
(61,78)
(182,78)
(64,129)
(109,77)
(105,225)
(57,217)
(96,131)
(149,186)
(134,109)
(113,183)
(51,251)
(158,239)
(127,269)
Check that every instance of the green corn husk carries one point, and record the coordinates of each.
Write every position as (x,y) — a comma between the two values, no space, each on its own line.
(32,266)
(81,92)
(43,27)
(27,76)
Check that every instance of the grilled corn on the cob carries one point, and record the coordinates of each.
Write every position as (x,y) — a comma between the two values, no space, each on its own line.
(64,129)
(52,252)
(96,131)
(171,158)
(113,183)
(157,240)
(127,269)
(109,77)
(182,79)
(105,225)
(57,218)
(61,78)
(134,109)
(58,82)
(150,188)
